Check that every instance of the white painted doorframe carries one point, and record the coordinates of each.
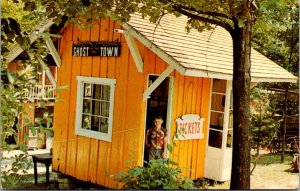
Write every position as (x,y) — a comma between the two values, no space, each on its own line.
(218,160)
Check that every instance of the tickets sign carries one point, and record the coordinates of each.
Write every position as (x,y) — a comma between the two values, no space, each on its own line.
(190,126)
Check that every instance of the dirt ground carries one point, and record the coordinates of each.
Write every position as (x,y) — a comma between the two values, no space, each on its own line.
(273,176)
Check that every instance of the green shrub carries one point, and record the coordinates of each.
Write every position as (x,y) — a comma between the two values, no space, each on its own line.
(156,175)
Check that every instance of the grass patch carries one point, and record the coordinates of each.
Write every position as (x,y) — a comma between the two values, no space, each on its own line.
(26,182)
(267,159)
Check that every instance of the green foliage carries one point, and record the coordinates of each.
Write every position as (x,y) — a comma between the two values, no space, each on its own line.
(20,164)
(156,175)
(276,33)
(263,124)
(204,183)
(267,159)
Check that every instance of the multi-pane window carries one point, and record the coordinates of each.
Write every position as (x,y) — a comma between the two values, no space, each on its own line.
(221,116)
(217,113)
(95,107)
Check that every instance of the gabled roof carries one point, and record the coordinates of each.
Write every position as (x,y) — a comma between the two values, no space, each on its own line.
(203,54)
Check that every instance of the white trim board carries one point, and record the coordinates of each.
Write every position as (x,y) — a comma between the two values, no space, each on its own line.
(134,52)
(52,50)
(79,106)
(46,69)
(155,49)
(158,81)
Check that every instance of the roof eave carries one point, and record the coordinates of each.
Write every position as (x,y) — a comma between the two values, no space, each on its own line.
(291,80)
(206,74)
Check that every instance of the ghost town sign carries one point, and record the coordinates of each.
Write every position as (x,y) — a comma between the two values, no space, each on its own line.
(101,48)
(190,126)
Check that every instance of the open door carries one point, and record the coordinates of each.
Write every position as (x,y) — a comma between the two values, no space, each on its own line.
(158,103)
(219,147)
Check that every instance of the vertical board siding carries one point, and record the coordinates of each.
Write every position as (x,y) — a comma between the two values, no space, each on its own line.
(191,96)
(83,145)
(61,122)
(72,138)
(95,160)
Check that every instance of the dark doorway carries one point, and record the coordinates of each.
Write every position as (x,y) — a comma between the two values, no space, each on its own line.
(157,104)
(11,139)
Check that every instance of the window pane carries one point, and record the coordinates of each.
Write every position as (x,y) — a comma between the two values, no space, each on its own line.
(96,107)
(97,91)
(105,92)
(104,109)
(219,86)
(87,90)
(231,99)
(230,124)
(86,109)
(104,125)
(95,123)
(86,122)
(229,138)
(215,138)
(217,102)
(216,120)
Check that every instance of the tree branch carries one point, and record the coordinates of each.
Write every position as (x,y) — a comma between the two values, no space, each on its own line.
(215,14)
(205,19)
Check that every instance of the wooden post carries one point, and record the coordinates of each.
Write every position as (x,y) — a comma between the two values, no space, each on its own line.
(284,122)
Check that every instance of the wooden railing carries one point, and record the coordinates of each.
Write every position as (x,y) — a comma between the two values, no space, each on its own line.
(40,92)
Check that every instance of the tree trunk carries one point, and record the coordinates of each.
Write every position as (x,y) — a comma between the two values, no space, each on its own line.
(240,174)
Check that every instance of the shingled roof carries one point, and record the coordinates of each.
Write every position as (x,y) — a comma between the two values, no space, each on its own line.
(203,54)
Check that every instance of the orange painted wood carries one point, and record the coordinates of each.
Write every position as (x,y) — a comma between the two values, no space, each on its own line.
(159,65)
(185,145)
(60,121)
(121,91)
(151,63)
(132,133)
(103,146)
(205,112)
(187,110)
(83,147)
(177,149)
(72,138)
(173,143)
(93,161)
(198,94)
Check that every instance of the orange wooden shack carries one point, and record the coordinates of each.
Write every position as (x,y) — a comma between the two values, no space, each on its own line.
(119,76)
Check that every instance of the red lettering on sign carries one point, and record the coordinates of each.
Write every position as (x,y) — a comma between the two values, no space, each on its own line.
(198,127)
(193,128)
(189,128)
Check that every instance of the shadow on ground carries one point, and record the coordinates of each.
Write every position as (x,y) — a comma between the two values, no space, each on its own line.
(26,182)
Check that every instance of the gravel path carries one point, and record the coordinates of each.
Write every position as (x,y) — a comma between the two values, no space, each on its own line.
(274,176)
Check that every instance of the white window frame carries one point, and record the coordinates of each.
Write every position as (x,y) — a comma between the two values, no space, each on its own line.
(79,104)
